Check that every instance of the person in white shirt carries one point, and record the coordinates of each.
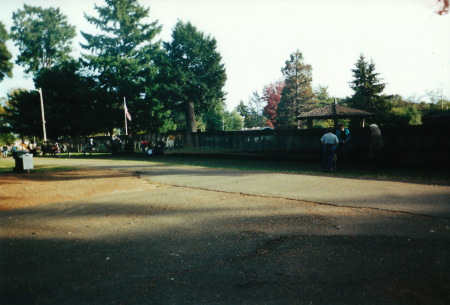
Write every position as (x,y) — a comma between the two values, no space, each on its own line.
(329,142)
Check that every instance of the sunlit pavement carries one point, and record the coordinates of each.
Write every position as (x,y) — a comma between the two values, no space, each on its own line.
(423,199)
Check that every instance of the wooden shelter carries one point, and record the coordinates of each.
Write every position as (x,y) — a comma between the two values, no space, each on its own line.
(335,112)
(438,119)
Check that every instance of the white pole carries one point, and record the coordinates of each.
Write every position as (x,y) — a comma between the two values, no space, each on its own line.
(42,111)
(125,113)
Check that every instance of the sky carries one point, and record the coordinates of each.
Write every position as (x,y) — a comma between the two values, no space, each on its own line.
(408,42)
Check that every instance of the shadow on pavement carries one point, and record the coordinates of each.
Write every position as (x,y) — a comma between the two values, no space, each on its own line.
(209,248)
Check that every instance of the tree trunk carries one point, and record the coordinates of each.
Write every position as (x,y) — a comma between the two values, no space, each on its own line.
(191,124)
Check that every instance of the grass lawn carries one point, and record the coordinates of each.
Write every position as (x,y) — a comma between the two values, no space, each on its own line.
(7,165)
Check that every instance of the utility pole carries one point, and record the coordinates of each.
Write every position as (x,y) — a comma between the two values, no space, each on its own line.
(42,111)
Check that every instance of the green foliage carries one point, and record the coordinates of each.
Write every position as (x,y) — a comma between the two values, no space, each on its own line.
(44,37)
(242,109)
(297,95)
(368,89)
(192,73)
(71,101)
(323,123)
(5,56)
(122,57)
(213,119)
(233,121)
(323,98)
(22,113)
(406,116)
(7,138)
(254,112)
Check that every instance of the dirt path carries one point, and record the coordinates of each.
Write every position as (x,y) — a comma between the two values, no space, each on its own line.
(27,190)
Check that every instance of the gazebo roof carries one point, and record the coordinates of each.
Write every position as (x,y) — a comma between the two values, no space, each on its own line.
(335,111)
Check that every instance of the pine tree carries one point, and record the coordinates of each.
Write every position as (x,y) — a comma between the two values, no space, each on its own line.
(368,88)
(122,57)
(297,95)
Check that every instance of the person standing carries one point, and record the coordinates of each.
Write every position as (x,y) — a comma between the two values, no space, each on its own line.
(376,145)
(5,150)
(343,135)
(329,142)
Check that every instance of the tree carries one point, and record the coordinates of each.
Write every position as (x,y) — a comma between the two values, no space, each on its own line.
(213,119)
(242,109)
(232,121)
(71,100)
(22,113)
(5,56)
(368,89)
(194,75)
(44,37)
(123,59)
(322,96)
(409,115)
(7,138)
(252,112)
(70,103)
(297,95)
(272,97)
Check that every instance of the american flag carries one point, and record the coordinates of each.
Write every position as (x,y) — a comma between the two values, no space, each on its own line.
(127,114)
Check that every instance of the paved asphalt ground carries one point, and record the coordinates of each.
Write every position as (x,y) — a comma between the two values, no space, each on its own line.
(208,236)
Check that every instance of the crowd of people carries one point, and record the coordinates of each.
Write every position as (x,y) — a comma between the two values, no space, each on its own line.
(113,145)
(335,147)
(34,149)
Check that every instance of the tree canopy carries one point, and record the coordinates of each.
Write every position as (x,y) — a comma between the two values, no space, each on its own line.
(44,37)
(368,89)
(5,56)
(193,72)
(272,97)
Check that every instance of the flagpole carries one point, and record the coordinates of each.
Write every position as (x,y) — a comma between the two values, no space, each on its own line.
(125,113)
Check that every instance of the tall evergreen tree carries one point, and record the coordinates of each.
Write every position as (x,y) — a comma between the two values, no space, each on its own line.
(44,37)
(123,60)
(242,109)
(193,73)
(5,56)
(368,89)
(297,95)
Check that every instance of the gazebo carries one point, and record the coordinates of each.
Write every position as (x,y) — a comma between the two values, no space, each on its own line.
(335,112)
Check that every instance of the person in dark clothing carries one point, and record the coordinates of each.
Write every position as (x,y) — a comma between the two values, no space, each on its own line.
(343,135)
